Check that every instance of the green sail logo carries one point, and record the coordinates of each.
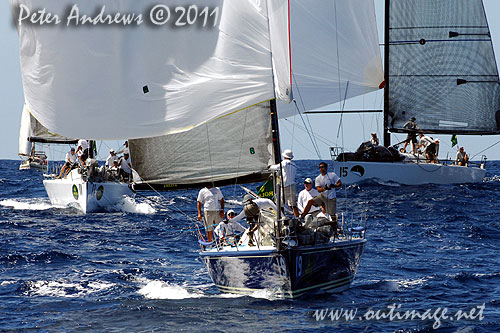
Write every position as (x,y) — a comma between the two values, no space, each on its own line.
(75,192)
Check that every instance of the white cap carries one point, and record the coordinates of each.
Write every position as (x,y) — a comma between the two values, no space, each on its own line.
(111,150)
(308,181)
(231,211)
(287,154)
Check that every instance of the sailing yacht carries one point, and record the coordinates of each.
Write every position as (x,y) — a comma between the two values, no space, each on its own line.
(440,69)
(81,188)
(200,105)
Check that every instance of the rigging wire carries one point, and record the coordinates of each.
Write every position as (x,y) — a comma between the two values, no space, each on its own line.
(239,156)
(210,155)
(311,137)
(339,80)
(482,151)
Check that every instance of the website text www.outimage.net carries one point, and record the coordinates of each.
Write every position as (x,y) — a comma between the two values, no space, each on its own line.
(395,312)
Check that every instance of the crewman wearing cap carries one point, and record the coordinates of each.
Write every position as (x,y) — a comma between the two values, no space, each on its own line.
(251,210)
(111,158)
(288,171)
(307,194)
(226,230)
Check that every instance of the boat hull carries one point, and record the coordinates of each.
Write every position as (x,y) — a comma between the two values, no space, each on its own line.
(87,196)
(27,165)
(407,173)
(289,273)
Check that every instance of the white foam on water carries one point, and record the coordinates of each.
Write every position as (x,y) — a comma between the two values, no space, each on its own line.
(26,205)
(494,178)
(129,205)
(66,289)
(164,290)
(6,283)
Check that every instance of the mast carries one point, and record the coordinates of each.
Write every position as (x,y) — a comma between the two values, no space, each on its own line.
(277,160)
(387,135)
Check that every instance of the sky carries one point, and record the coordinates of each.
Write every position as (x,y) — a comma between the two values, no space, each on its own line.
(355,127)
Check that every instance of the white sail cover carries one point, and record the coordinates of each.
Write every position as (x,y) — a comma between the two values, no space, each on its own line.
(114,81)
(335,51)
(231,147)
(32,131)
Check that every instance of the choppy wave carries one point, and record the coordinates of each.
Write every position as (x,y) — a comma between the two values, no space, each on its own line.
(64,288)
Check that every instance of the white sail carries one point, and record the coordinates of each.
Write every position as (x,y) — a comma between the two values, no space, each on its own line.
(335,51)
(236,146)
(108,82)
(32,131)
(25,133)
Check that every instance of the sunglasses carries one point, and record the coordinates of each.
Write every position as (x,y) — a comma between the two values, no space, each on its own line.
(232,214)
(322,167)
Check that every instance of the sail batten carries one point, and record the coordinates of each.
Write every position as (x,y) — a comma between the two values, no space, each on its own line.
(442,67)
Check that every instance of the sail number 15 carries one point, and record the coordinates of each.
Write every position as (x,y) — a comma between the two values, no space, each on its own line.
(343,171)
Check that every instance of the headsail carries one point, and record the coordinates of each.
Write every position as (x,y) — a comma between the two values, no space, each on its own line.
(442,68)
(32,131)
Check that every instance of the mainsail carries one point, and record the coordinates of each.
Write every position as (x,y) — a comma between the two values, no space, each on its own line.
(32,131)
(441,67)
(235,148)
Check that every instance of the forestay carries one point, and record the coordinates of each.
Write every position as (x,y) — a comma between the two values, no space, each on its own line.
(442,67)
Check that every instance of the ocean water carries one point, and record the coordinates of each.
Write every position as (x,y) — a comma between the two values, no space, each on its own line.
(431,249)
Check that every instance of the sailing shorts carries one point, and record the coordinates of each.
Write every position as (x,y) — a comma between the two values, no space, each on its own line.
(212,218)
(412,137)
(291,195)
(330,204)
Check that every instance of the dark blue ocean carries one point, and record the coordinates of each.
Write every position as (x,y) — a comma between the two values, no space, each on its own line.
(430,248)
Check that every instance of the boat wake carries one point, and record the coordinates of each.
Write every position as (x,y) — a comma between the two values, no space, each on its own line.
(29,204)
(130,205)
(164,290)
